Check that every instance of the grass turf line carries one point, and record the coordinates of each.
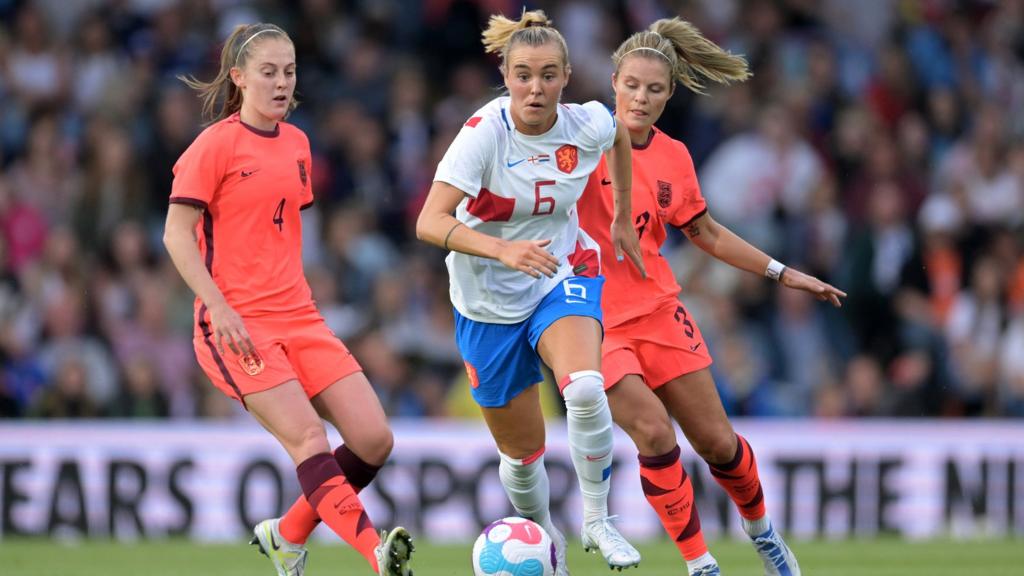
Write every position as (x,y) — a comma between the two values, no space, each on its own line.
(884,557)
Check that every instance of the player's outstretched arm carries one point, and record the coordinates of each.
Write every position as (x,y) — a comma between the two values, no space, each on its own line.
(437,226)
(620,164)
(181,243)
(724,244)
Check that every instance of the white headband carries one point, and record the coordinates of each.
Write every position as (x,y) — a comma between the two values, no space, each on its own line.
(659,52)
(249,39)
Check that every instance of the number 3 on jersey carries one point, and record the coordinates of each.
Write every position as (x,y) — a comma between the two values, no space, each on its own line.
(279,216)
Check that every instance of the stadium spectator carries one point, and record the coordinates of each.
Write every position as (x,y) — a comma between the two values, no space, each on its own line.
(963,67)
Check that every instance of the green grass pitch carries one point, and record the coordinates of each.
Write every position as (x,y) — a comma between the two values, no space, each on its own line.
(839,558)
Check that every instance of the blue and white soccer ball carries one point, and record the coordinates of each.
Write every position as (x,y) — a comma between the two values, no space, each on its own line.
(514,547)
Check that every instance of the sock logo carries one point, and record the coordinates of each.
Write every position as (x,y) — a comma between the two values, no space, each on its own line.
(672,509)
(598,458)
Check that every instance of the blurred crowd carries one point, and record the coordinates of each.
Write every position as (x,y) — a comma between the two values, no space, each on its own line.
(879,145)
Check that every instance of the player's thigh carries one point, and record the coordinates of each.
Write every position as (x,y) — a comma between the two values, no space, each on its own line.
(318,356)
(518,427)
(566,327)
(693,401)
(499,360)
(352,406)
(640,413)
(669,344)
(286,412)
(571,344)
(239,375)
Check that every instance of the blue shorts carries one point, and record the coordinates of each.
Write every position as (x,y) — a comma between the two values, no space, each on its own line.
(502,359)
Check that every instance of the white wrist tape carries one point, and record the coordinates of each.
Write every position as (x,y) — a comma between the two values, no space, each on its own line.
(775,270)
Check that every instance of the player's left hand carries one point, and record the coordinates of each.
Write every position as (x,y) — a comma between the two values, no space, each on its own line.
(625,240)
(823,291)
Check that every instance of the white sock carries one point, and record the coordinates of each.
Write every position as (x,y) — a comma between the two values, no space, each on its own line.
(705,559)
(526,484)
(590,439)
(756,527)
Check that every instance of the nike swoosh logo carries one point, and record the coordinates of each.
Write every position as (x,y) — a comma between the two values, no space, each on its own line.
(273,542)
(694,347)
(606,182)
(597,458)
(514,164)
(247,173)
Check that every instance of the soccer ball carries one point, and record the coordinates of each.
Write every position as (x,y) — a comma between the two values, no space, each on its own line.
(514,547)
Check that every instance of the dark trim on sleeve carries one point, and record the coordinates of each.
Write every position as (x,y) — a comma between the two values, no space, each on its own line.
(307,205)
(691,220)
(189,201)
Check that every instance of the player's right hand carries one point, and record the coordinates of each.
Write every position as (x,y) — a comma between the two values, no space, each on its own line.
(529,256)
(228,328)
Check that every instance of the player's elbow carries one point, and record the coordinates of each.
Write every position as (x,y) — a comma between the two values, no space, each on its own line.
(423,228)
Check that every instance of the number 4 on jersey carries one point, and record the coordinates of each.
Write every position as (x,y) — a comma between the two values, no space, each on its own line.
(279,215)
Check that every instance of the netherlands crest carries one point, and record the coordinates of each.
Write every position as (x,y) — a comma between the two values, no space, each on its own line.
(567,157)
(664,194)
(252,364)
(302,172)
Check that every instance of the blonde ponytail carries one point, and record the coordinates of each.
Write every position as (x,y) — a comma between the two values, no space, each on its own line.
(691,57)
(533,29)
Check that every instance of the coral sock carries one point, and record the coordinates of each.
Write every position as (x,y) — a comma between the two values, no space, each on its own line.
(669,491)
(337,504)
(300,520)
(739,478)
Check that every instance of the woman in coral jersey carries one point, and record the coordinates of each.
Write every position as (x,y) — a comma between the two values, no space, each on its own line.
(654,360)
(234,233)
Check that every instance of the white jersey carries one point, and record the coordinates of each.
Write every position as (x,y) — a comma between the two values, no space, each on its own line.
(521,187)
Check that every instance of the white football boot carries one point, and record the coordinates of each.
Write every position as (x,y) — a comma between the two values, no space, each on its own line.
(602,535)
(777,558)
(289,559)
(394,552)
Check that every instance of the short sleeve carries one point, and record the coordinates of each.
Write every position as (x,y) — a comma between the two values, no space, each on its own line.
(469,156)
(307,190)
(200,170)
(599,128)
(690,203)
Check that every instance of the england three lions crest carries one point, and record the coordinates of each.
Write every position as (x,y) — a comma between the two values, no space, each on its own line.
(252,364)
(302,172)
(567,158)
(664,194)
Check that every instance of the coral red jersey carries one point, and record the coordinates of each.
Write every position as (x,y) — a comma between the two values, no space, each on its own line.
(251,185)
(665,191)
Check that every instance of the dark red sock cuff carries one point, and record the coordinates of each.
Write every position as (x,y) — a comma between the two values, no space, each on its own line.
(664,461)
(316,470)
(358,471)
(741,449)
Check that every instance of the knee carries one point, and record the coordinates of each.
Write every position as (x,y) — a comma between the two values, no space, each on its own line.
(376,445)
(308,439)
(652,436)
(718,448)
(584,391)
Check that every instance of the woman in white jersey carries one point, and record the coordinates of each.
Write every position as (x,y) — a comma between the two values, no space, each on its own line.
(525,280)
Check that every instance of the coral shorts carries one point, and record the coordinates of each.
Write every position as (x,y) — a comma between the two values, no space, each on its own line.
(297,346)
(659,347)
